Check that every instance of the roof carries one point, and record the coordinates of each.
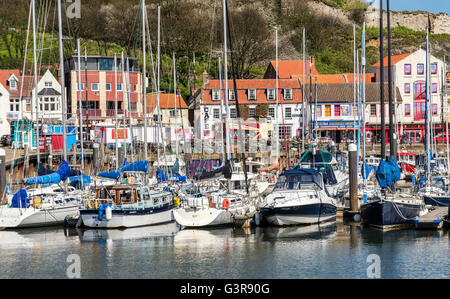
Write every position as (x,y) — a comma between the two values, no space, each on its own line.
(336,92)
(49,92)
(394,59)
(166,101)
(261,86)
(289,69)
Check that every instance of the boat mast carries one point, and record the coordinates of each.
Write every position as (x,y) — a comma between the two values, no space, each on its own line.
(81,111)
(354,79)
(383,129)
(115,107)
(158,83)
(427,129)
(222,121)
(303,93)
(88,129)
(122,62)
(129,105)
(392,147)
(144,78)
(225,61)
(63,92)
(363,66)
(277,126)
(175,101)
(36,97)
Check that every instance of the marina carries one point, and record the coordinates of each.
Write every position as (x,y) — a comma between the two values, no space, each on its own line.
(121,164)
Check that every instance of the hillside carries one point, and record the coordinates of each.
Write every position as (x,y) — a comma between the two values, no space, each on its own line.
(194,27)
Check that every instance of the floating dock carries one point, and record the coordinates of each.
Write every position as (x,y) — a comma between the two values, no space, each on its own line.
(433,219)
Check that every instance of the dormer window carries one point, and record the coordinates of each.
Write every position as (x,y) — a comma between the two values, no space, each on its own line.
(48,84)
(288,93)
(231,96)
(215,94)
(271,94)
(13,84)
(252,94)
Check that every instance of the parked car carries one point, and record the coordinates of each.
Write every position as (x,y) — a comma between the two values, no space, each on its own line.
(6,140)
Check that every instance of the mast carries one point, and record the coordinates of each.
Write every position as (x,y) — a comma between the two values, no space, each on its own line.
(63,93)
(363,66)
(175,101)
(36,97)
(225,61)
(144,78)
(221,108)
(81,111)
(354,79)
(383,129)
(303,93)
(129,105)
(427,129)
(124,96)
(158,83)
(88,129)
(115,107)
(277,127)
(392,146)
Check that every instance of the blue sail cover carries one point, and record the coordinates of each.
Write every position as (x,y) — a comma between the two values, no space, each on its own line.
(20,199)
(161,176)
(141,166)
(388,172)
(54,178)
(44,171)
(86,179)
(366,169)
(115,174)
(396,170)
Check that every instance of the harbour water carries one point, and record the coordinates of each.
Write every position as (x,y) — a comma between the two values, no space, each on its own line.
(332,250)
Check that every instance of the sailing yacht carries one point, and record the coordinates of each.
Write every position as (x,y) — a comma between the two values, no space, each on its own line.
(299,197)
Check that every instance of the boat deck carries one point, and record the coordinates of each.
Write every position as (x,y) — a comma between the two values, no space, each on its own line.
(433,219)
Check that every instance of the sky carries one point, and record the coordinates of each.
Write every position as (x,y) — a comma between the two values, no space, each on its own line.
(433,6)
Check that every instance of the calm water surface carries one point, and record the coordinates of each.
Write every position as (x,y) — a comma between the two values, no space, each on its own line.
(325,251)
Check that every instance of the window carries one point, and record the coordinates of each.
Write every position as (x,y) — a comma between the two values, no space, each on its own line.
(434,109)
(216,113)
(80,86)
(434,88)
(407,88)
(215,94)
(433,68)
(285,129)
(252,94)
(288,93)
(287,112)
(318,110)
(231,95)
(327,110)
(270,94)
(271,112)
(48,84)
(119,86)
(172,113)
(133,106)
(252,112)
(232,112)
(407,69)
(420,69)
(94,86)
(407,110)
(337,110)
(373,110)
(13,84)
(419,110)
(108,86)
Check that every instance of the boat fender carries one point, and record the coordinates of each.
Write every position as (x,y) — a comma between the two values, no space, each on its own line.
(226,204)
(176,201)
(108,213)
(131,180)
(36,202)
(92,204)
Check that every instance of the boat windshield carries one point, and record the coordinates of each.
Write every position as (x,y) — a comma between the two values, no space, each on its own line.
(298,181)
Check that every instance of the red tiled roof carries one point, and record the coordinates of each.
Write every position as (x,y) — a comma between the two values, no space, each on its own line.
(261,86)
(289,69)
(394,59)
(28,83)
(166,101)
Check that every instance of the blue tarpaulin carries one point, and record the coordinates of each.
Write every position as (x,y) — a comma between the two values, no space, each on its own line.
(86,179)
(115,175)
(141,166)
(161,176)
(20,199)
(388,172)
(60,175)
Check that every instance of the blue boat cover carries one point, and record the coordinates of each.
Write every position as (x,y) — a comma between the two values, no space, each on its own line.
(20,199)
(54,178)
(44,171)
(141,166)
(178,178)
(161,176)
(115,174)
(388,172)
(86,179)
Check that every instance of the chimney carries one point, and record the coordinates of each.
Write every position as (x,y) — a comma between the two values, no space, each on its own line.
(205,77)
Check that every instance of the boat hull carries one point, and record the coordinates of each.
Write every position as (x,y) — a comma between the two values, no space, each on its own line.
(438,201)
(195,217)
(127,218)
(299,214)
(386,213)
(30,217)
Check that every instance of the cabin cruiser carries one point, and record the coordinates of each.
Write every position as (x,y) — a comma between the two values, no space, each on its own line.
(299,197)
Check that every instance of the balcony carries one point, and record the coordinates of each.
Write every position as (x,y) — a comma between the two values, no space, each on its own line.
(112,112)
(92,112)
